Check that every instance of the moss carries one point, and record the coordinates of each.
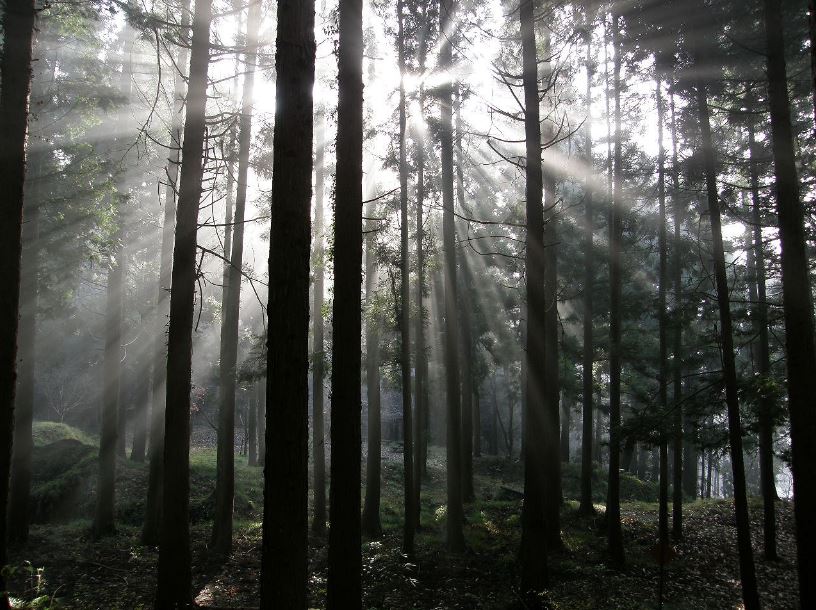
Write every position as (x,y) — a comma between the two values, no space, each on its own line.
(47,432)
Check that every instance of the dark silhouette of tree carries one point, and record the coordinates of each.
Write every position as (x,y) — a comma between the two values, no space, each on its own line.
(284,562)
(174,583)
(797,304)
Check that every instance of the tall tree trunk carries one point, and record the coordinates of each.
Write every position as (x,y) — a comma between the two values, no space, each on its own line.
(796,295)
(677,337)
(15,83)
(261,419)
(155,478)
(318,347)
(455,514)
(284,559)
(551,382)
(586,507)
(746,558)
(103,524)
(371,509)
(20,486)
(663,323)
(533,554)
(465,306)
(221,541)
(613,520)
(344,585)
(252,429)
(404,318)
(141,378)
(173,589)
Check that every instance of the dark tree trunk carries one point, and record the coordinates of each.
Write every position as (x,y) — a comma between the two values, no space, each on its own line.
(796,295)
(344,584)
(318,346)
(221,541)
(15,83)
(663,324)
(252,429)
(477,422)
(677,338)
(173,589)
(746,558)
(760,313)
(586,507)
(284,560)
(533,554)
(371,509)
(155,479)
(465,306)
(103,524)
(455,514)
(403,314)
(20,489)
(613,520)
(260,405)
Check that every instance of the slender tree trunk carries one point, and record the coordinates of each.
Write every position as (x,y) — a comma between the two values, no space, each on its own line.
(155,479)
(221,541)
(252,430)
(465,306)
(796,295)
(746,558)
(566,424)
(318,347)
(663,323)
(588,361)
(455,515)
(141,378)
(613,520)
(261,419)
(404,318)
(15,83)
(533,554)
(344,586)
(758,296)
(477,422)
(284,559)
(371,510)
(677,338)
(174,581)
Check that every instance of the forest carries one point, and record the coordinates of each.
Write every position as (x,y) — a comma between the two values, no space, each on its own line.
(386,304)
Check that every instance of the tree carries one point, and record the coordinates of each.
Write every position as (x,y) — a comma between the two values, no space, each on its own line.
(284,562)
(221,541)
(344,586)
(746,559)
(15,84)
(404,308)
(533,554)
(155,478)
(455,514)
(613,521)
(173,588)
(797,304)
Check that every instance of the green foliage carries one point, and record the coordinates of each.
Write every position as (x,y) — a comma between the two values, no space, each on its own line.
(47,432)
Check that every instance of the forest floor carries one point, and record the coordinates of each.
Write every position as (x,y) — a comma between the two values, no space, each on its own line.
(63,567)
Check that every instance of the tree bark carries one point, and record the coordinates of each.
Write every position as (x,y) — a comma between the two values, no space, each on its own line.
(284,560)
(344,585)
(155,478)
(533,553)
(797,304)
(260,389)
(613,520)
(746,558)
(221,541)
(174,581)
(15,83)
